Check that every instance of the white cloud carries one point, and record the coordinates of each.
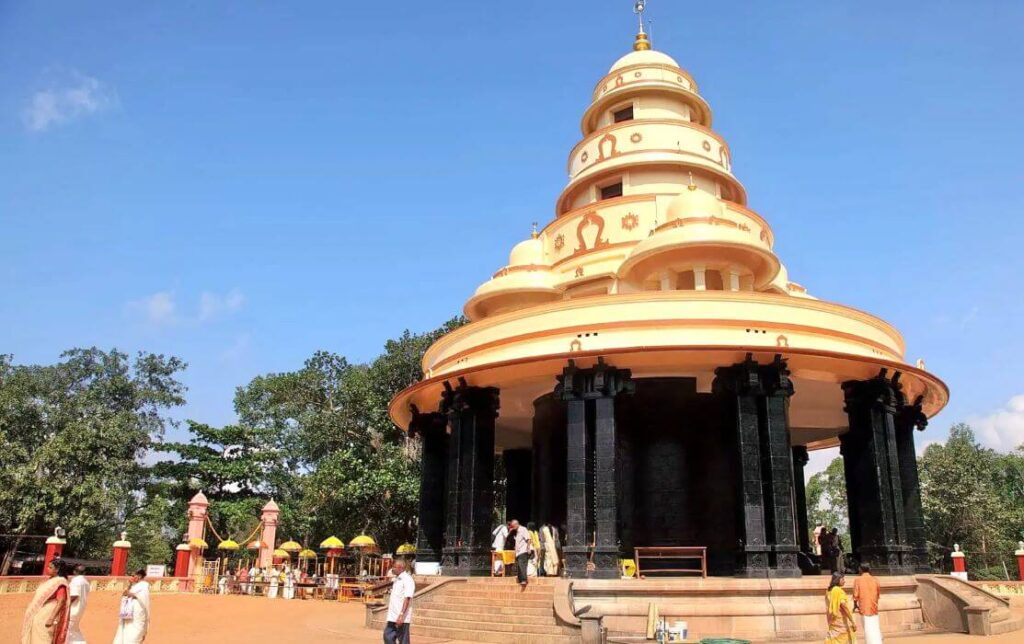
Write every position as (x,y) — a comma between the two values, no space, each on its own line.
(158,309)
(1002,429)
(237,349)
(818,460)
(213,304)
(68,96)
(161,308)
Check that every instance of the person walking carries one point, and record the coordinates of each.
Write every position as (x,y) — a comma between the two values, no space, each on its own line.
(78,589)
(523,546)
(866,593)
(400,606)
(838,556)
(841,626)
(48,614)
(134,616)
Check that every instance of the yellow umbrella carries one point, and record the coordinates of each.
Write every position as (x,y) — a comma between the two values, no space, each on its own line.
(362,541)
(281,554)
(196,542)
(228,544)
(307,554)
(332,542)
(406,549)
(290,546)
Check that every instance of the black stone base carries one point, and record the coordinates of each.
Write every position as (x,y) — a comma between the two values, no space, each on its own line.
(606,563)
(576,558)
(428,555)
(887,560)
(478,563)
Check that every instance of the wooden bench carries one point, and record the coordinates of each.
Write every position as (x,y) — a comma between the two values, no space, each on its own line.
(671,553)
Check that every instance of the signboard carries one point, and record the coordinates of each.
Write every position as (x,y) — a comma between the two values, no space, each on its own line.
(155,571)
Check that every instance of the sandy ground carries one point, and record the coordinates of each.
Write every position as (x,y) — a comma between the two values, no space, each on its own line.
(206,618)
(226,620)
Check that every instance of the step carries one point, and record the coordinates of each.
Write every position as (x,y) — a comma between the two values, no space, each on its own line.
(444,600)
(493,594)
(493,627)
(487,636)
(489,610)
(487,618)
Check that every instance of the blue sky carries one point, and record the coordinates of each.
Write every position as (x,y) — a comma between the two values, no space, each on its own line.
(242,183)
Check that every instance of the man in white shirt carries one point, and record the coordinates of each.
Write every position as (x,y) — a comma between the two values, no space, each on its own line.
(78,589)
(524,546)
(400,606)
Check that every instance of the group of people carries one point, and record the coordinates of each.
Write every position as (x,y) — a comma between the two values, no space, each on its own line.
(828,545)
(537,552)
(54,616)
(842,628)
(246,581)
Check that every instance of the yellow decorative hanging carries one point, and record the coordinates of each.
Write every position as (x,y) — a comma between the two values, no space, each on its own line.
(228,544)
(196,542)
(290,546)
(362,541)
(332,542)
(406,549)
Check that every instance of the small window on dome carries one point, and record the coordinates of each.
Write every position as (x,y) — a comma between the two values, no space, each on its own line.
(625,114)
(611,191)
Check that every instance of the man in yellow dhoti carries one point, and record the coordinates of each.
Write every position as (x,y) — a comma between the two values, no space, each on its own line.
(841,627)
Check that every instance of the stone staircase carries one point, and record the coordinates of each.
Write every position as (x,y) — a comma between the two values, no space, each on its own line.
(963,598)
(489,610)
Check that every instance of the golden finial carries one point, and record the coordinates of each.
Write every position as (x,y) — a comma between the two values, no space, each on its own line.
(642,43)
(692,186)
(533,233)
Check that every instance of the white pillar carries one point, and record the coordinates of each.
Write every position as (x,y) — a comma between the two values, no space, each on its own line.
(698,279)
(665,279)
(734,280)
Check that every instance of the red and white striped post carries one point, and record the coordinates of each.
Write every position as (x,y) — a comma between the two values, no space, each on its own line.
(1020,559)
(182,556)
(959,563)
(54,548)
(122,548)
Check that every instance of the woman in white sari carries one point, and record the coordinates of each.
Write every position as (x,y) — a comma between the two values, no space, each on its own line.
(134,615)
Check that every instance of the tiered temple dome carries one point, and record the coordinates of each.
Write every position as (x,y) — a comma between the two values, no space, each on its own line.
(647,343)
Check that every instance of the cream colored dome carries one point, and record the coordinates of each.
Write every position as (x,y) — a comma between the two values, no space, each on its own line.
(643,57)
(694,202)
(527,253)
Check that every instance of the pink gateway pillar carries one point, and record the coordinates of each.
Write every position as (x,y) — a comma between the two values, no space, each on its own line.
(196,526)
(269,538)
(122,547)
(54,549)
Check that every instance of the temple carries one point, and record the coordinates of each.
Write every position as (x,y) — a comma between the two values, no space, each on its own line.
(651,375)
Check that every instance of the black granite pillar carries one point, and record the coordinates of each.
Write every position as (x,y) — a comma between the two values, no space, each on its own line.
(757,397)
(592,509)
(872,468)
(471,414)
(452,491)
(909,418)
(519,484)
(800,460)
(781,527)
(432,430)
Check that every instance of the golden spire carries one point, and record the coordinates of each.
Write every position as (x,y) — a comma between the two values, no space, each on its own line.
(692,186)
(534,234)
(642,43)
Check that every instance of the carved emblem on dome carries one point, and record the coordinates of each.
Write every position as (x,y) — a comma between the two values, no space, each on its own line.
(707,146)
(584,157)
(619,81)
(612,144)
(637,74)
(679,79)
(630,221)
(588,220)
(764,234)
(559,241)
(636,137)
(782,341)
(579,271)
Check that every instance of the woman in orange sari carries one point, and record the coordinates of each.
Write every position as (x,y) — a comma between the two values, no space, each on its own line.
(46,620)
(841,627)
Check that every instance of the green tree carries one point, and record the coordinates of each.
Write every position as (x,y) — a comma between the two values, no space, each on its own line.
(149,533)
(826,498)
(71,438)
(960,494)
